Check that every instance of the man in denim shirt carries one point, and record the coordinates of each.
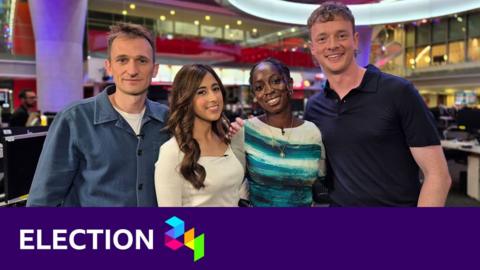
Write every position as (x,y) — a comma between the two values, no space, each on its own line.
(101,151)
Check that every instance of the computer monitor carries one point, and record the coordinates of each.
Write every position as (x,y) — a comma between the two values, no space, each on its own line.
(20,158)
(469,119)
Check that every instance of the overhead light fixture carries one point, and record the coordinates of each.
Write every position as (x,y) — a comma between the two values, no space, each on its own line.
(279,33)
(196,22)
(239,22)
(172,12)
(132,6)
(254,30)
(162,18)
(207,18)
(227,26)
(293,29)
(124,12)
(365,14)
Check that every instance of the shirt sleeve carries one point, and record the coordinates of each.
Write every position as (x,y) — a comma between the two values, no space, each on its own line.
(168,180)
(323,156)
(57,166)
(244,191)
(238,148)
(19,119)
(416,120)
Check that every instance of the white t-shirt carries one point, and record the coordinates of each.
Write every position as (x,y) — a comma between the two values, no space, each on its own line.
(133,119)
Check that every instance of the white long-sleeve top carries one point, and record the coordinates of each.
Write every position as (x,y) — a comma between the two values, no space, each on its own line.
(224,181)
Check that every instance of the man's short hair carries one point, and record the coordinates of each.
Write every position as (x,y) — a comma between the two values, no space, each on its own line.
(23,93)
(328,11)
(129,30)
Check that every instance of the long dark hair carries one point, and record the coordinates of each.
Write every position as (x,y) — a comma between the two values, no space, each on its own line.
(182,116)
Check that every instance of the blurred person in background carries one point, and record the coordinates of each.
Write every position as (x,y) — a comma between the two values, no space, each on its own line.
(25,114)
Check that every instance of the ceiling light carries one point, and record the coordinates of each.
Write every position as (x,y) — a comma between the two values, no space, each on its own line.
(132,6)
(207,18)
(254,30)
(227,26)
(239,22)
(196,22)
(365,14)
(172,12)
(124,12)
(162,18)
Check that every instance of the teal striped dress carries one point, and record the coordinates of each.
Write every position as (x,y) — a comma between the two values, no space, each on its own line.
(277,179)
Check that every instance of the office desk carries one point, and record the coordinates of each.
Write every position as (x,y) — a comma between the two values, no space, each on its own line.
(473,166)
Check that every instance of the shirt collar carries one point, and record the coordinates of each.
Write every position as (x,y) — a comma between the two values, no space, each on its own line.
(369,82)
(104,111)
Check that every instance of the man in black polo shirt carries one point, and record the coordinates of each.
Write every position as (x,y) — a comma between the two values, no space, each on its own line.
(376,128)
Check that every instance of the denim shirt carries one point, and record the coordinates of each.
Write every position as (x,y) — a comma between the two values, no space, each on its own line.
(92,157)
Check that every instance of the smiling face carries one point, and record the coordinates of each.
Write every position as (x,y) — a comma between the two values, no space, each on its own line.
(131,65)
(271,88)
(208,100)
(333,45)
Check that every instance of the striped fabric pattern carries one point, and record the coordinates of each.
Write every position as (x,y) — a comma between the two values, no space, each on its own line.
(283,181)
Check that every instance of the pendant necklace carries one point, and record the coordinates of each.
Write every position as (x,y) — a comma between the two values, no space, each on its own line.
(281,147)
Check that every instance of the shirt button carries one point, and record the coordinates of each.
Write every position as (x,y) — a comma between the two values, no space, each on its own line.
(139,152)
(140,186)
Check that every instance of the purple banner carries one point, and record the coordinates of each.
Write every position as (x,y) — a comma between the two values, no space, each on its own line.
(273,238)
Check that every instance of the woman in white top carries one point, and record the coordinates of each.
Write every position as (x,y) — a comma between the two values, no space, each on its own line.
(197,166)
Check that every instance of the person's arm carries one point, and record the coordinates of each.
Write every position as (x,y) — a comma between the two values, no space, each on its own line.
(238,148)
(168,180)
(424,144)
(57,166)
(436,184)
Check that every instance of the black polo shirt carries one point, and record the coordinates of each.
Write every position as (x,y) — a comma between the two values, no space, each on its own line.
(367,136)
